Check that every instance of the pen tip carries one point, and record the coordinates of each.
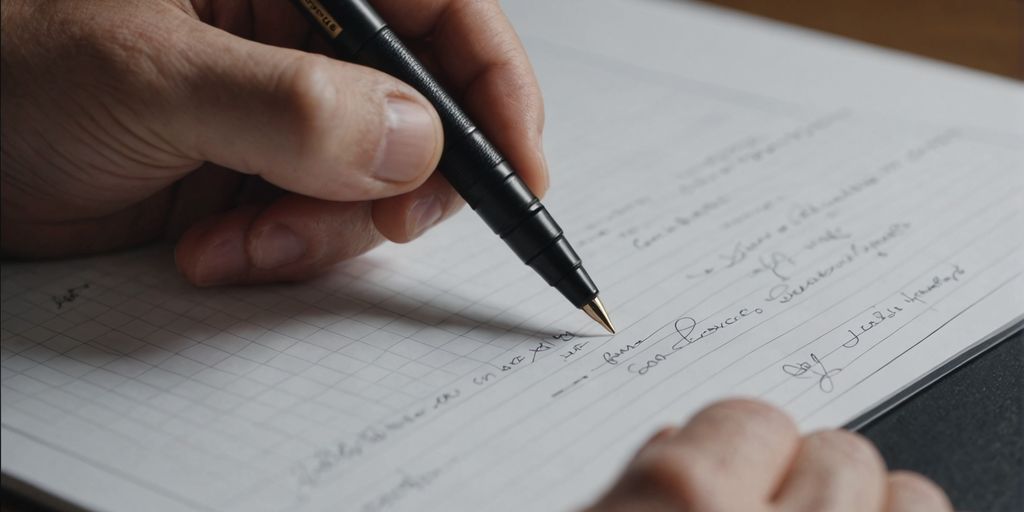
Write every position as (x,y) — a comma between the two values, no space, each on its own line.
(595,309)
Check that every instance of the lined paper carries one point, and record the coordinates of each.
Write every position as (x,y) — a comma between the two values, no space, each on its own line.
(819,256)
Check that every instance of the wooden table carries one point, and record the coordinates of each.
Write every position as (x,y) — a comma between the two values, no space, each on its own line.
(982,34)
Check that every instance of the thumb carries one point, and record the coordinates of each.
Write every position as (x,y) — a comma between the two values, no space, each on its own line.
(306,123)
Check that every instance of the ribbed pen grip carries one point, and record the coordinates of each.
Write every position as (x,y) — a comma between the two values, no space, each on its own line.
(482,177)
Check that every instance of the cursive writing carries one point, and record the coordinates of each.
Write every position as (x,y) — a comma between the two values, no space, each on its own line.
(785,292)
(685,329)
(936,282)
(676,223)
(814,368)
(308,473)
(773,263)
(69,295)
(877,317)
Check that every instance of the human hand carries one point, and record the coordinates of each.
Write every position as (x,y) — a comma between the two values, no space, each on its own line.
(125,121)
(746,456)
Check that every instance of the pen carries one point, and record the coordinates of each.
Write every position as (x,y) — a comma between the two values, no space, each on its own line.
(477,171)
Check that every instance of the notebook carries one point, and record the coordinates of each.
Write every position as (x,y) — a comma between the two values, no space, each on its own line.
(769,212)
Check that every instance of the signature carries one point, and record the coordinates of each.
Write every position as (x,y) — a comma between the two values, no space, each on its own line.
(811,369)
(877,317)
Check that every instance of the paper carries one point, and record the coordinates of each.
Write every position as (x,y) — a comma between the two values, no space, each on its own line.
(819,255)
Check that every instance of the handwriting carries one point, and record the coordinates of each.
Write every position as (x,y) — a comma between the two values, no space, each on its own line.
(773,263)
(742,249)
(784,292)
(512,363)
(612,358)
(830,235)
(618,212)
(544,346)
(813,368)
(541,347)
(932,145)
(769,261)
(69,296)
(480,380)
(877,317)
(446,397)
(564,336)
(684,331)
(935,283)
(684,328)
(309,473)
(558,393)
(749,214)
(751,151)
(805,212)
(676,223)
(573,351)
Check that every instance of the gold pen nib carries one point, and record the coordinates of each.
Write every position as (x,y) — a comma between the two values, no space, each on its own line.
(595,309)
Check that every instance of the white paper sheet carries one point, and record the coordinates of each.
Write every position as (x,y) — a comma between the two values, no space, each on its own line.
(752,233)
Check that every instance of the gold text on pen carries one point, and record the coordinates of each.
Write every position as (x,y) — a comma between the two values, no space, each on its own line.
(323,17)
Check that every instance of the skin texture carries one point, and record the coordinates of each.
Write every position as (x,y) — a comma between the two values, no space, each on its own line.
(221,124)
(742,455)
(217,124)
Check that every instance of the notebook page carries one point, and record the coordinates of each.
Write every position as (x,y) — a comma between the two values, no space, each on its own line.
(818,257)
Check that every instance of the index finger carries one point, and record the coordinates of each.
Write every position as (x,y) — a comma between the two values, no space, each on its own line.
(483,62)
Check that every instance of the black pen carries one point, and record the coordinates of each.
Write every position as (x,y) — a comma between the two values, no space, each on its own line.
(477,171)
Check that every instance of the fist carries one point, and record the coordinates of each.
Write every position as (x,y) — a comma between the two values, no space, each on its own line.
(747,456)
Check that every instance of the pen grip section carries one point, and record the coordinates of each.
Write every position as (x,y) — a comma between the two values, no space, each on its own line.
(484,179)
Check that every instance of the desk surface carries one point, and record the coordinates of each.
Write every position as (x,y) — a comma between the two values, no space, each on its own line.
(965,432)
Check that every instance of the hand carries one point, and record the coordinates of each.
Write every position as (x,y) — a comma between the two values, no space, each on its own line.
(125,121)
(746,456)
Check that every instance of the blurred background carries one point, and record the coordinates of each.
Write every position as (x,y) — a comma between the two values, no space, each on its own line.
(981,34)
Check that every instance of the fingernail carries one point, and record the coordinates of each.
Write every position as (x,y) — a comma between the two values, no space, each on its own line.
(423,214)
(409,143)
(223,262)
(276,246)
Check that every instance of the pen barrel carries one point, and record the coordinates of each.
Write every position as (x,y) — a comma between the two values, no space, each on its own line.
(472,165)
(486,181)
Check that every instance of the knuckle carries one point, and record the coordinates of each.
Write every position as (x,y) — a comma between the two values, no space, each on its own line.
(915,488)
(753,414)
(670,473)
(311,100)
(854,448)
(339,120)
